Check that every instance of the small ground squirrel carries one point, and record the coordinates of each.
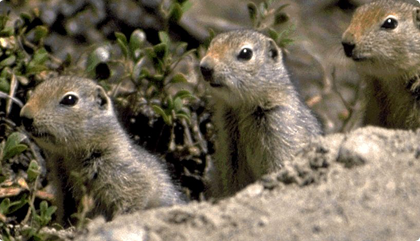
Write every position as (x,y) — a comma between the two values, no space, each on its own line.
(259,117)
(383,40)
(73,120)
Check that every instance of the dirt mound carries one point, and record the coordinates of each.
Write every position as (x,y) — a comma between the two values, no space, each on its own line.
(358,186)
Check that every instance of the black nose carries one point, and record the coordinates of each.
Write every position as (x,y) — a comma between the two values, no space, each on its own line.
(27,122)
(348,48)
(206,71)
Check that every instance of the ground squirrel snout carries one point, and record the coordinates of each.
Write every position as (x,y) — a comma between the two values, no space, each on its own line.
(382,40)
(73,121)
(260,118)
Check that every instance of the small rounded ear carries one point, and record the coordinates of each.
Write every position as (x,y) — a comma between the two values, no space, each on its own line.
(416,17)
(273,50)
(102,99)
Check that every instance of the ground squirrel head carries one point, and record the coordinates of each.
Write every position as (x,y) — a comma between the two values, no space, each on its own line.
(66,111)
(383,38)
(243,65)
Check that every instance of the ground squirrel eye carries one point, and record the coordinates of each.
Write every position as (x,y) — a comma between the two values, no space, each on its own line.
(69,100)
(390,23)
(245,54)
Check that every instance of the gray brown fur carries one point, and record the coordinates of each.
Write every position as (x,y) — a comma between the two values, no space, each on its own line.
(260,119)
(87,139)
(388,61)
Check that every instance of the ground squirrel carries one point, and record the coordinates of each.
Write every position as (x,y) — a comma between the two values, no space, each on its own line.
(73,121)
(383,40)
(260,118)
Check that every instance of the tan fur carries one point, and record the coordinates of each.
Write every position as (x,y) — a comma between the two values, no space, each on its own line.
(388,61)
(259,116)
(86,139)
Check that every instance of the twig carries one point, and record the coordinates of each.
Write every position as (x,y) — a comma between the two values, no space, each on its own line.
(6,96)
(13,87)
(187,133)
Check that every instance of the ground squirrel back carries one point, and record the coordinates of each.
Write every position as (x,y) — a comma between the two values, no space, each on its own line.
(383,40)
(73,121)
(260,119)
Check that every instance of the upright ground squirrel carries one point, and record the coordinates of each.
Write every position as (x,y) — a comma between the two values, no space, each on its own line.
(260,119)
(383,40)
(73,121)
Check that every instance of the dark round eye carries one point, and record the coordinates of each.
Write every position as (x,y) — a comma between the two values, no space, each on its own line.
(390,23)
(69,100)
(245,54)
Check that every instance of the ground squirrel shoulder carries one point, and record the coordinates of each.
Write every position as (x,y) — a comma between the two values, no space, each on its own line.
(260,118)
(383,40)
(73,121)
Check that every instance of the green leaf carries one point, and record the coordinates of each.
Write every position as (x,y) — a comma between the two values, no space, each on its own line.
(284,39)
(121,37)
(183,94)
(164,38)
(137,40)
(150,52)
(181,48)
(4,206)
(36,65)
(136,73)
(8,61)
(6,32)
(43,208)
(99,55)
(158,110)
(273,34)
(15,206)
(4,85)
(13,151)
(179,78)
(45,214)
(212,34)
(7,207)
(175,13)
(185,6)
(178,104)
(263,9)
(280,9)
(40,32)
(183,116)
(51,210)
(123,47)
(12,146)
(15,138)
(3,21)
(122,42)
(40,56)
(33,171)
(161,51)
(170,102)
(253,12)
(26,17)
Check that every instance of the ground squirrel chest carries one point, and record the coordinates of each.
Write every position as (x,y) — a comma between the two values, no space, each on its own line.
(383,40)
(259,116)
(73,121)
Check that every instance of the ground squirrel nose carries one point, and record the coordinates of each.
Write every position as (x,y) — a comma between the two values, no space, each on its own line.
(26,118)
(206,71)
(348,48)
(27,122)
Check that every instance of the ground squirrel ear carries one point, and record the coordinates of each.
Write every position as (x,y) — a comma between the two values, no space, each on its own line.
(102,98)
(273,50)
(416,15)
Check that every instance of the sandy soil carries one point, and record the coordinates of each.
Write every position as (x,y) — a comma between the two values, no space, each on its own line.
(357,186)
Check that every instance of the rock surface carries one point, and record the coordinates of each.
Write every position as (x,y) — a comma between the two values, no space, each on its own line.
(363,185)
